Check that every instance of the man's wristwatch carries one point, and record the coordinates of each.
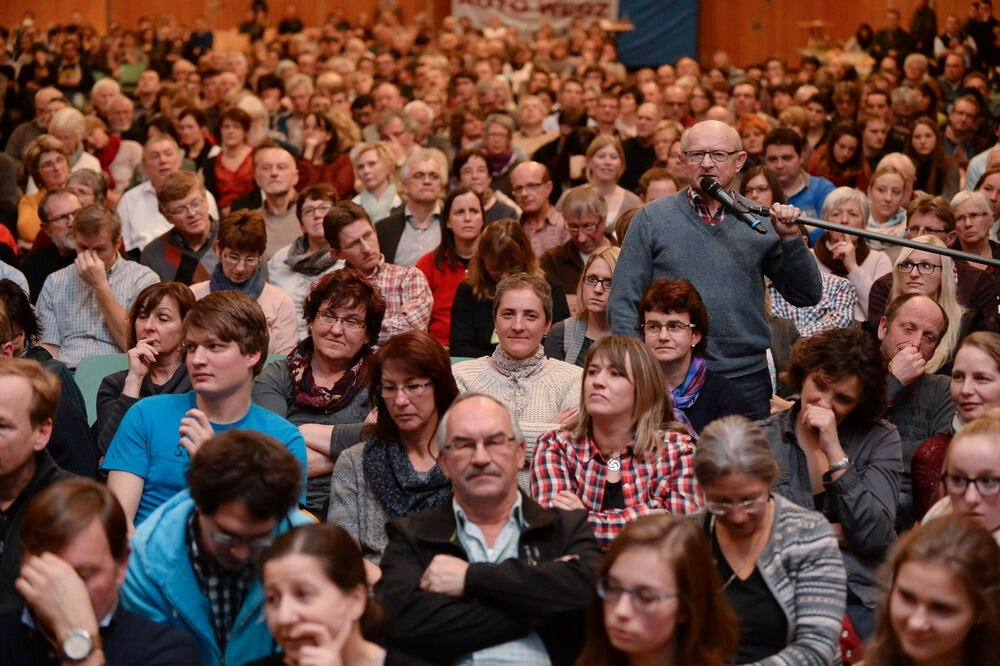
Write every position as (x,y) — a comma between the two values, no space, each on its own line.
(77,645)
(843,463)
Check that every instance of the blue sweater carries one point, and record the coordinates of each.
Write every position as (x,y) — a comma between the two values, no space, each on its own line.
(726,263)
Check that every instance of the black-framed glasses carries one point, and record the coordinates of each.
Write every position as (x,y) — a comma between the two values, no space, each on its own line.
(672,327)
(644,599)
(718,156)
(320,209)
(593,281)
(749,506)
(923,267)
(466,446)
(987,486)
(410,390)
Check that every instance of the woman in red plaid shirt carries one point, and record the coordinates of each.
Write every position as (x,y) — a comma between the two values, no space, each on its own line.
(626,455)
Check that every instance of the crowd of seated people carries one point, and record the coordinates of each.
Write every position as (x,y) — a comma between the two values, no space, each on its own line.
(377,342)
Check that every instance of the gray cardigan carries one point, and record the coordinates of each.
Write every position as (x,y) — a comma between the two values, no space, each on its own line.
(863,500)
(273,390)
(802,568)
(726,263)
(354,507)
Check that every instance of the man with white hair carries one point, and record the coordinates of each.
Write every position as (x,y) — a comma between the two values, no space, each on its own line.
(28,131)
(121,119)
(101,94)
(299,88)
(69,127)
(689,235)
(413,230)
(141,218)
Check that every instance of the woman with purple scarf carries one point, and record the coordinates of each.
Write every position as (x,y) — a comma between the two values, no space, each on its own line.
(322,385)
(674,325)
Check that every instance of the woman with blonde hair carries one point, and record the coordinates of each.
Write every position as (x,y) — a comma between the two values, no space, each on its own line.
(570,338)
(605,164)
(375,168)
(921,272)
(673,613)
(625,455)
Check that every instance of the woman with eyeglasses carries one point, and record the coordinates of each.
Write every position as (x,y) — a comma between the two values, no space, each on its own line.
(674,325)
(942,607)
(322,385)
(625,455)
(394,471)
(850,256)
(503,250)
(472,170)
(240,247)
(779,564)
(838,456)
(462,218)
(973,221)
(970,476)
(921,272)
(975,391)
(657,600)
(569,339)
(296,266)
(155,358)
(45,160)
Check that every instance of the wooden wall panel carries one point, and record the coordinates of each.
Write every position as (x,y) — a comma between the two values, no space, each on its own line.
(752,30)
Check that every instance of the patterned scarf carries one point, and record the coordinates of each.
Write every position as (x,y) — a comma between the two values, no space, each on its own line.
(252,287)
(326,400)
(518,370)
(399,487)
(302,261)
(686,394)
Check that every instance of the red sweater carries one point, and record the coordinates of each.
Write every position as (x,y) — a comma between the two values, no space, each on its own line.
(338,173)
(444,283)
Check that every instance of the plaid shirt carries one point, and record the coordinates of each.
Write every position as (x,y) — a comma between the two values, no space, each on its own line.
(834,310)
(408,299)
(663,483)
(698,206)
(225,590)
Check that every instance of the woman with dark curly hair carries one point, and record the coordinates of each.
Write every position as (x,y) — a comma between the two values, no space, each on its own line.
(838,456)
(321,386)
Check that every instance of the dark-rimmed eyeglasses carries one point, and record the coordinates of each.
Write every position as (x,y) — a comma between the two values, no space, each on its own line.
(987,486)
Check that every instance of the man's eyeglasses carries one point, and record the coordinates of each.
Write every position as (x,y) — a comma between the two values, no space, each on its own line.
(319,209)
(987,486)
(644,600)
(672,327)
(698,156)
(593,281)
(236,259)
(517,189)
(256,546)
(465,447)
(923,267)
(913,232)
(65,217)
(329,318)
(186,209)
(574,229)
(411,390)
(725,508)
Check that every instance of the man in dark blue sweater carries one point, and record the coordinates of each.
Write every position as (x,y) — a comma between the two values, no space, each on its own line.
(689,235)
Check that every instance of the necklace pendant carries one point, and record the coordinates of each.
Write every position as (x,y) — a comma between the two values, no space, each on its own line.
(614,465)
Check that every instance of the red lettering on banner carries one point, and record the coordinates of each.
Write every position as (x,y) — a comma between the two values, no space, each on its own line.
(564,9)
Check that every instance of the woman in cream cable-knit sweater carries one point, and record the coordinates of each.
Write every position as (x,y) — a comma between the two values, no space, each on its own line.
(541,393)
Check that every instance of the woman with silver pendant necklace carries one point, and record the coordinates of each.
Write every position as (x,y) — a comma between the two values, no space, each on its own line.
(625,455)
(779,564)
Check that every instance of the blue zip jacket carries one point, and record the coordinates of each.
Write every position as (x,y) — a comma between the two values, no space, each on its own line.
(160,584)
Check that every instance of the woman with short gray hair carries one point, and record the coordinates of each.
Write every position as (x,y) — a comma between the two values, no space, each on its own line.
(848,256)
(973,221)
(780,564)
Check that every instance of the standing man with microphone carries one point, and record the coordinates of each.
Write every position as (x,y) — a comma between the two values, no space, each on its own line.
(690,235)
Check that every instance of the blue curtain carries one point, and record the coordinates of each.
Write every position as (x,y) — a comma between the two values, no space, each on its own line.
(664,31)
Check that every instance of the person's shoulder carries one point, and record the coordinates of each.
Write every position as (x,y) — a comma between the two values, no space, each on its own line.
(200,289)
(157,639)
(562,368)
(164,403)
(277,426)
(800,522)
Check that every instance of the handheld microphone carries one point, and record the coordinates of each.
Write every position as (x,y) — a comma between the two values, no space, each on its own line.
(712,188)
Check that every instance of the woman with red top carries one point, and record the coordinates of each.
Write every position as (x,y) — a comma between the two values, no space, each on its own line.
(625,456)
(322,160)
(447,266)
(231,174)
(841,160)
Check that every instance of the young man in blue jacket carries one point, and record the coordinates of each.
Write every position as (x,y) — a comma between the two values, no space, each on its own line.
(194,561)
